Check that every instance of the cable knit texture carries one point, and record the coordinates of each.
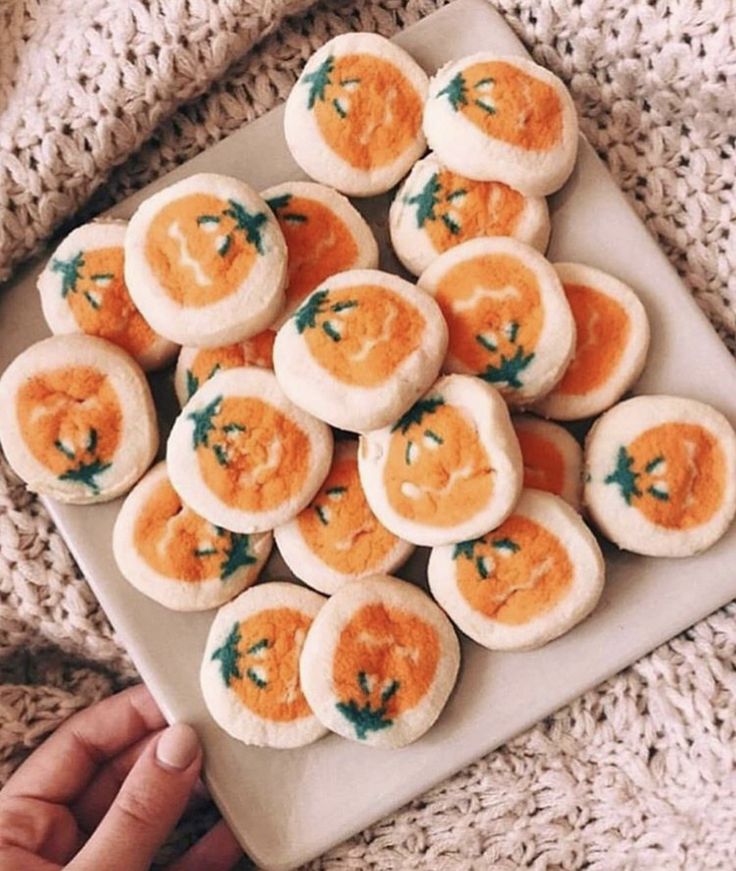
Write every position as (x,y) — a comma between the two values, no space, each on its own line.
(638,773)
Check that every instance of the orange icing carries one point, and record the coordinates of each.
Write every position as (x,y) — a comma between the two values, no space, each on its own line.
(202,248)
(437,471)
(71,421)
(340,528)
(250,454)
(366,109)
(360,334)
(544,466)
(507,104)
(514,574)
(257,351)
(603,329)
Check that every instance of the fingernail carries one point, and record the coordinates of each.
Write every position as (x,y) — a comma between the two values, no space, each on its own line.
(177,747)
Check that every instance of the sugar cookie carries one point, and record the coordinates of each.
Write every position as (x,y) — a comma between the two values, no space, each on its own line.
(176,557)
(354,118)
(337,538)
(83,291)
(437,209)
(449,469)
(324,235)
(526,582)
(507,315)
(503,118)
(197,365)
(78,422)
(379,662)
(553,460)
(611,346)
(243,456)
(660,475)
(250,670)
(205,261)
(360,349)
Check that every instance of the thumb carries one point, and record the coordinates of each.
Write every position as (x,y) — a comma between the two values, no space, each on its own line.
(148,806)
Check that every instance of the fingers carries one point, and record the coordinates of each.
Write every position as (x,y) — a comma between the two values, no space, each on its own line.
(149,803)
(216,851)
(38,828)
(61,767)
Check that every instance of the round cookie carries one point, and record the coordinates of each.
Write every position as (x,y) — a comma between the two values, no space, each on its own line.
(610,349)
(524,583)
(449,469)
(553,460)
(250,669)
(324,235)
(353,120)
(437,209)
(244,457)
(337,538)
(83,290)
(176,557)
(660,475)
(205,261)
(507,315)
(197,365)
(361,349)
(79,422)
(379,662)
(503,118)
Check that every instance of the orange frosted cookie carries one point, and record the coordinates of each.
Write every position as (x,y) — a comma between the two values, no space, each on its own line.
(337,538)
(611,345)
(507,315)
(250,669)
(83,291)
(360,349)
(449,469)
(205,261)
(176,557)
(354,118)
(660,475)
(553,460)
(502,118)
(324,235)
(524,583)
(197,365)
(437,209)
(243,456)
(78,420)
(379,662)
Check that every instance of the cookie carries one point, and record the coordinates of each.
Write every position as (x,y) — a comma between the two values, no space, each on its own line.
(324,235)
(244,457)
(197,365)
(611,345)
(437,209)
(83,290)
(361,349)
(553,460)
(502,118)
(507,315)
(379,662)
(524,583)
(449,469)
(250,670)
(337,538)
(78,419)
(354,118)
(660,475)
(205,261)
(176,557)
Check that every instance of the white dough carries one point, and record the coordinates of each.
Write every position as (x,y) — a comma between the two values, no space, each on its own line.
(564,451)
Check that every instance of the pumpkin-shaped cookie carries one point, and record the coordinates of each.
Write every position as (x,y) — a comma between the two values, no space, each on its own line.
(553,460)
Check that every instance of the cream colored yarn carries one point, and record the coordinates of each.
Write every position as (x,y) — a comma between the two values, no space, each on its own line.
(638,773)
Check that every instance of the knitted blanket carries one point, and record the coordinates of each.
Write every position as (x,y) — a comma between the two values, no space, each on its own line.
(98,98)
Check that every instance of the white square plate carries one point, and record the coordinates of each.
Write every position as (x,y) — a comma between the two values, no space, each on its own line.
(289,806)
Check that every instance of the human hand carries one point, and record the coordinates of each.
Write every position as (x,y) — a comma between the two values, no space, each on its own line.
(104,792)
